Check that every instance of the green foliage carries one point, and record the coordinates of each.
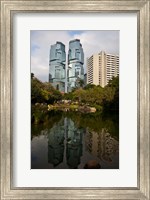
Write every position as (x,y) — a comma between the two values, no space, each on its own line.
(79,95)
(106,98)
(43,92)
(88,86)
(79,83)
(68,96)
(114,82)
(111,100)
(36,91)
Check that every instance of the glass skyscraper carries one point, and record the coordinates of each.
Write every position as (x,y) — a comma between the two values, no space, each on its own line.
(57,63)
(75,64)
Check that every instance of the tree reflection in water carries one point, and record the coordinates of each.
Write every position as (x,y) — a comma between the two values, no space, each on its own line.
(74,140)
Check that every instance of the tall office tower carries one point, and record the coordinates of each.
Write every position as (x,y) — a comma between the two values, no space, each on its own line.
(101,68)
(75,64)
(57,61)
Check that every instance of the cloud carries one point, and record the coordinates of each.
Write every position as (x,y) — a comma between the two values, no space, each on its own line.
(92,42)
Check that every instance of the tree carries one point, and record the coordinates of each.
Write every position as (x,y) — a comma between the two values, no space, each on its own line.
(81,83)
(114,82)
(111,97)
(43,92)
(32,75)
(79,95)
(88,86)
(36,91)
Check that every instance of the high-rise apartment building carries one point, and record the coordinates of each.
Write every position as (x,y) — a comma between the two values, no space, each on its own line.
(101,68)
(57,69)
(75,64)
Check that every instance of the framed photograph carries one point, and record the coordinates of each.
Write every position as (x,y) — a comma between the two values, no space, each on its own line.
(75,104)
(75,100)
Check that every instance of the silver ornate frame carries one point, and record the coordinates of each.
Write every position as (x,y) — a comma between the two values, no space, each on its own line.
(142,8)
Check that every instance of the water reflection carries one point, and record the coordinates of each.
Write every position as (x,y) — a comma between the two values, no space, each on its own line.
(56,143)
(101,144)
(65,144)
(71,146)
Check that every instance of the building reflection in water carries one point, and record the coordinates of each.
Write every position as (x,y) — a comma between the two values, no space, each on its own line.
(101,145)
(74,144)
(56,143)
(65,144)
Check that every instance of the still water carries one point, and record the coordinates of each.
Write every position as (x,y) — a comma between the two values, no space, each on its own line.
(71,140)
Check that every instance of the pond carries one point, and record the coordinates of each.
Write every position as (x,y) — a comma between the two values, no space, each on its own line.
(74,140)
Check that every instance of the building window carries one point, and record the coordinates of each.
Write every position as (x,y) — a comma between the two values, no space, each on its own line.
(77,71)
(77,54)
(57,73)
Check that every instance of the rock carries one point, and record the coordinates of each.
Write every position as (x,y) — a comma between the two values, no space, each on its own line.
(92,109)
(87,109)
(92,164)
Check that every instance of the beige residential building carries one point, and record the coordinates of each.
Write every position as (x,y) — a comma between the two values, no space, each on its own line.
(101,68)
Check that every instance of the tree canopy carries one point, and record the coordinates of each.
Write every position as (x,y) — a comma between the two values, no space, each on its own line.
(106,98)
(43,92)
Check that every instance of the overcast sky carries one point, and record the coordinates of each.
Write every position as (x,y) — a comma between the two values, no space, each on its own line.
(92,42)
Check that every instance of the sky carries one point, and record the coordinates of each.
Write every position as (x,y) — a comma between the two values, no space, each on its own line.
(92,42)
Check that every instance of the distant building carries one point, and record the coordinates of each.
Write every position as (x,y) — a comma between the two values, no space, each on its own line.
(75,63)
(57,63)
(101,68)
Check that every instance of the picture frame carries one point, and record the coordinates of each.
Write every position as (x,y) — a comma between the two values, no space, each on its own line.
(8,9)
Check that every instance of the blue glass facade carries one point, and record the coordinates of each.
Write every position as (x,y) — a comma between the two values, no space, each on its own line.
(75,64)
(57,63)
(65,144)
